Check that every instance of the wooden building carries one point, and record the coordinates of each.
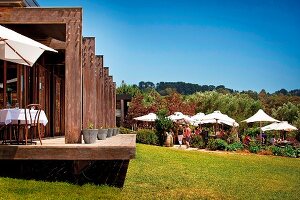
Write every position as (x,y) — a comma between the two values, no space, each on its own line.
(73,87)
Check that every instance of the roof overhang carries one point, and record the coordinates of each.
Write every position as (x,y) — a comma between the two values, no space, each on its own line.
(19,3)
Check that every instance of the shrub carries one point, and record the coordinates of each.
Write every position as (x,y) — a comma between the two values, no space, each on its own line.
(125,130)
(252,132)
(298,152)
(222,144)
(197,142)
(216,144)
(277,151)
(254,147)
(146,136)
(289,151)
(162,125)
(212,144)
(235,146)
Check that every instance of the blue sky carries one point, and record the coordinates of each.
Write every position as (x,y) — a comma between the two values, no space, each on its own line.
(244,45)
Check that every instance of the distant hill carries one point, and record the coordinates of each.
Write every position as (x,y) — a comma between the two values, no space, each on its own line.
(165,88)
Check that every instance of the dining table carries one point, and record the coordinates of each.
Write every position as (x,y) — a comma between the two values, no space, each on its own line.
(16,116)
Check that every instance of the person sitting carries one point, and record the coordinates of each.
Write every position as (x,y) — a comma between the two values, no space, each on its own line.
(197,131)
(247,140)
(273,140)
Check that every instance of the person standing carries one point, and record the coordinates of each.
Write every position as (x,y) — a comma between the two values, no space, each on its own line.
(180,134)
(187,135)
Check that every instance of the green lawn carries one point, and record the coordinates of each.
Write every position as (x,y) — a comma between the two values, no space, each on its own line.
(165,173)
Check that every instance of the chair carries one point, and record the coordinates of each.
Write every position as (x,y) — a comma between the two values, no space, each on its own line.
(32,116)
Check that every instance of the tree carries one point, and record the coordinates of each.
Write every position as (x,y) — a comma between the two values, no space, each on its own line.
(132,90)
(146,85)
(287,112)
(162,125)
(282,91)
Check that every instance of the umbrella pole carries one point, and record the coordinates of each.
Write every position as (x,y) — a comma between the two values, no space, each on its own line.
(17,53)
(260,132)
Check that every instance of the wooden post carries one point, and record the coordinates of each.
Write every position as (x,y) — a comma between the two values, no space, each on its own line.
(122,112)
(105,96)
(99,104)
(89,82)
(110,102)
(114,105)
(4,84)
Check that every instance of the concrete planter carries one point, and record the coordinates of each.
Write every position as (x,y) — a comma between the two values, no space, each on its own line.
(89,135)
(118,131)
(102,134)
(115,131)
(110,132)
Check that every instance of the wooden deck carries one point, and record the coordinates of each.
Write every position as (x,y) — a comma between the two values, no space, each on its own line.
(119,147)
(104,162)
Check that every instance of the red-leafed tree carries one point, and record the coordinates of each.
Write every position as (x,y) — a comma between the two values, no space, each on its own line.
(176,103)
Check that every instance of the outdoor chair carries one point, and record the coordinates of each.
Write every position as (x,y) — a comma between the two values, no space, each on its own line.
(32,116)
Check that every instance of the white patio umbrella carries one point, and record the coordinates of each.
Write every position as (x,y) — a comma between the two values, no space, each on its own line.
(260,117)
(179,116)
(284,125)
(151,117)
(197,117)
(218,117)
(20,49)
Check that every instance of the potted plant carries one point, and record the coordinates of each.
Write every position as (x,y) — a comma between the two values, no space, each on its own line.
(89,134)
(110,132)
(115,131)
(102,133)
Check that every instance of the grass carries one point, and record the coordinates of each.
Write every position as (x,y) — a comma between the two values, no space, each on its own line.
(165,173)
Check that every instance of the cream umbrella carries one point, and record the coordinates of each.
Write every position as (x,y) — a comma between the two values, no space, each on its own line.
(284,125)
(260,117)
(18,48)
(179,116)
(151,117)
(217,117)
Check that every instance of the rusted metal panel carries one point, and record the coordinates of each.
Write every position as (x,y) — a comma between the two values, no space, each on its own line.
(72,18)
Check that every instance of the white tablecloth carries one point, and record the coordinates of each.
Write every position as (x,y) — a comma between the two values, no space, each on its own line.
(5,116)
(14,116)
